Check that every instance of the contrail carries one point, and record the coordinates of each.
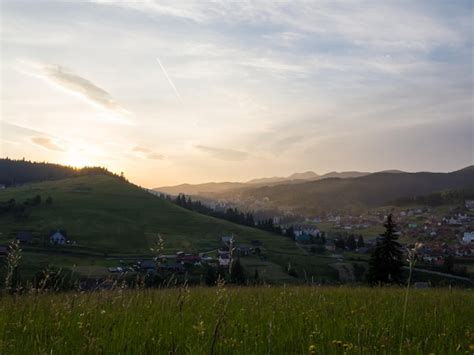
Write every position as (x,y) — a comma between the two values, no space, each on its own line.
(169,80)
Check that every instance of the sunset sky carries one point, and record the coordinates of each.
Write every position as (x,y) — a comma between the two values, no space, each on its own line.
(229,91)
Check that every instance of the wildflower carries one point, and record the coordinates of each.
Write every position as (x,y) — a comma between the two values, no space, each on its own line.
(200,328)
(102,311)
(312,349)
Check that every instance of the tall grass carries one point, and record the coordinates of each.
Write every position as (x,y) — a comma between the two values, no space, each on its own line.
(253,320)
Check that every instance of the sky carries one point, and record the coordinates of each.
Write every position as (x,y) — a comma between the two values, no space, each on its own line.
(179,91)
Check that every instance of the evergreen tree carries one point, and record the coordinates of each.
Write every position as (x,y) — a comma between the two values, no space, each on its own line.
(211,277)
(290,232)
(351,242)
(448,265)
(237,274)
(256,277)
(360,242)
(385,265)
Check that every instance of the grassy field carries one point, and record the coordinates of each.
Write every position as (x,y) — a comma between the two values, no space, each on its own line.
(107,214)
(259,320)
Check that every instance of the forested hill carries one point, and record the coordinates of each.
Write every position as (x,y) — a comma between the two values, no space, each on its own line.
(18,172)
(364,192)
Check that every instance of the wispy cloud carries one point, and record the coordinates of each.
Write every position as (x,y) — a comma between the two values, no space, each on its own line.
(146,153)
(224,154)
(77,85)
(47,143)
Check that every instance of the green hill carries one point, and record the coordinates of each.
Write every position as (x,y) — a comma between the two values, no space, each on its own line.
(108,214)
(111,219)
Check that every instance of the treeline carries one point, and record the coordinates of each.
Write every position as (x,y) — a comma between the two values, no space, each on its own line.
(231,214)
(18,172)
(438,198)
(20,210)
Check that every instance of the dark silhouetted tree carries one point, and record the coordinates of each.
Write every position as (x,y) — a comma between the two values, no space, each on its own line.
(351,242)
(385,265)
(211,277)
(237,274)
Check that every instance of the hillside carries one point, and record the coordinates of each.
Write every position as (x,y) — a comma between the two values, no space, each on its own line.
(109,214)
(363,192)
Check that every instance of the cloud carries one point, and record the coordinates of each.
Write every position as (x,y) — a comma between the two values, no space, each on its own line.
(146,153)
(47,143)
(223,154)
(77,85)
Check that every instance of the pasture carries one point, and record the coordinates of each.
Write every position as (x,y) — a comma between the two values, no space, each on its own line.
(249,320)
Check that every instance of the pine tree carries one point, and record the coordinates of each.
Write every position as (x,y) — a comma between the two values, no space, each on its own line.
(360,242)
(237,274)
(351,242)
(385,265)
(256,277)
(211,277)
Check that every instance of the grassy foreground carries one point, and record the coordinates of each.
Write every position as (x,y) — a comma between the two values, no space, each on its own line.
(259,320)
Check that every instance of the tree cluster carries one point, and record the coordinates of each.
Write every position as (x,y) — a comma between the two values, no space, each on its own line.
(231,214)
(18,172)
(349,242)
(20,210)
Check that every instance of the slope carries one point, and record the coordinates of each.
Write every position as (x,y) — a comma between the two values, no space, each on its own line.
(105,213)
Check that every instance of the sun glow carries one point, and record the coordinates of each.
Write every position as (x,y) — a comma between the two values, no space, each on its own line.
(77,159)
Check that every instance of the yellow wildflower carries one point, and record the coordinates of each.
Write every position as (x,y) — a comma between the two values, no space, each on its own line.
(312,349)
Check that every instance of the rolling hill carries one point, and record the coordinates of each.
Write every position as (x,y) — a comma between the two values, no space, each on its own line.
(111,219)
(108,214)
(336,194)
(211,188)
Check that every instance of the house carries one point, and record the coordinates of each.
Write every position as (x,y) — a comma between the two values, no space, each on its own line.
(468,238)
(469,205)
(148,265)
(453,222)
(24,237)
(303,238)
(224,259)
(58,237)
(227,239)
(176,267)
(189,259)
(244,250)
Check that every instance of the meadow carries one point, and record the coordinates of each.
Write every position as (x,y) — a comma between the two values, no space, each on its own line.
(249,320)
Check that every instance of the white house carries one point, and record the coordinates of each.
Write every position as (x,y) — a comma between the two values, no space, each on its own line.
(57,238)
(468,238)
(224,259)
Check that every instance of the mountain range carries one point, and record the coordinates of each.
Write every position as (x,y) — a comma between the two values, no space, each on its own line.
(346,191)
(218,187)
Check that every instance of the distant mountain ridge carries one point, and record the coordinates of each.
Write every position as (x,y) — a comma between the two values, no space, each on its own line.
(358,193)
(219,187)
